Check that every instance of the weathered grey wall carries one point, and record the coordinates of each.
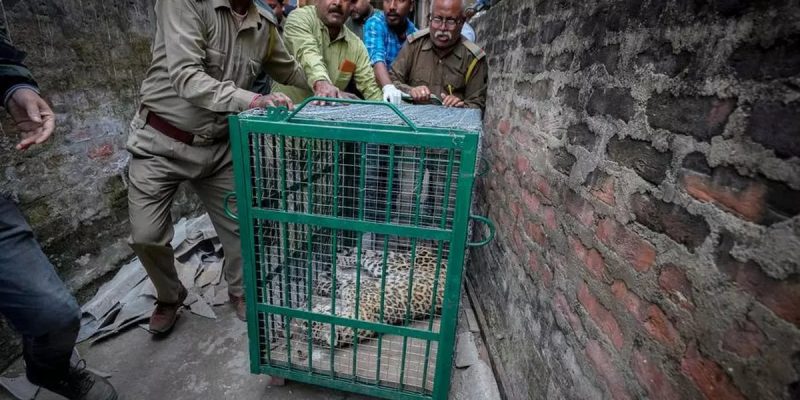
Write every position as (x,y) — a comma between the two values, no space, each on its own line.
(89,57)
(646,187)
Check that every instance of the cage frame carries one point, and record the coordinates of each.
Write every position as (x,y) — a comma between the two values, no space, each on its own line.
(280,122)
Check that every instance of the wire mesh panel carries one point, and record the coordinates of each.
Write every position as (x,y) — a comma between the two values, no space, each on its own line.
(353,232)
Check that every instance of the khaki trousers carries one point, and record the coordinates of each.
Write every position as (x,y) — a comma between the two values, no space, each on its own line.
(159,164)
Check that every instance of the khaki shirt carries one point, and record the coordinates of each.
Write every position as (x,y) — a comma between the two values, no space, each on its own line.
(202,60)
(420,63)
(336,61)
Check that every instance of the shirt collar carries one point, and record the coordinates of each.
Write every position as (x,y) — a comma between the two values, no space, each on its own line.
(221,3)
(253,18)
(343,33)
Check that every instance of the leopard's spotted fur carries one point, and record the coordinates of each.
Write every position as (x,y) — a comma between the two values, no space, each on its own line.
(398,271)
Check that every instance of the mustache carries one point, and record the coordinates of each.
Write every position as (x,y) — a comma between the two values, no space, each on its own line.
(336,9)
(392,14)
(444,34)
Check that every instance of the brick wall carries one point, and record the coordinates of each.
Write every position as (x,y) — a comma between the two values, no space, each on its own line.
(645,182)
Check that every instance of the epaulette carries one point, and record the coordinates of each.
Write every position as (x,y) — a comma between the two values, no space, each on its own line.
(418,34)
(474,49)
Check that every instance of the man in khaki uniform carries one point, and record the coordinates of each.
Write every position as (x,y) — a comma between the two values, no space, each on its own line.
(204,53)
(330,54)
(439,61)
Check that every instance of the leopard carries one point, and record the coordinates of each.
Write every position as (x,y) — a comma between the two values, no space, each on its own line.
(395,279)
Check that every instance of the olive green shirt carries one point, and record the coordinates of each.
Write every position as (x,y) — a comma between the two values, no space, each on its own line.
(336,61)
(420,63)
(202,61)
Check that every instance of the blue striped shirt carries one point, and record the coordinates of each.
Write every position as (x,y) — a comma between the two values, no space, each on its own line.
(382,43)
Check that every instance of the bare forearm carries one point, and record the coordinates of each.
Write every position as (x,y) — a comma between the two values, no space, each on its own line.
(382,74)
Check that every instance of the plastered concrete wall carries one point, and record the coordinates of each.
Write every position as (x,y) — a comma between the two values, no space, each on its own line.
(89,57)
(645,181)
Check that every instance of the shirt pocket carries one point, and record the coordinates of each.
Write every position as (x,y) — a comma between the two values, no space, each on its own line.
(215,63)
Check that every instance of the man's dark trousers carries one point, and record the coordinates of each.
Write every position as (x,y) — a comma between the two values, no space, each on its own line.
(34,299)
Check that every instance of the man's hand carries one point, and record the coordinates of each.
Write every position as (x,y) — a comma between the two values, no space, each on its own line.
(450,100)
(323,88)
(33,117)
(273,100)
(392,95)
(420,94)
(347,95)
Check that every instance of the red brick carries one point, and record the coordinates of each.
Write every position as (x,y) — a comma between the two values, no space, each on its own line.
(781,297)
(516,210)
(542,185)
(673,280)
(652,378)
(709,377)
(639,252)
(542,270)
(651,317)
(631,301)
(748,202)
(504,126)
(549,214)
(535,233)
(590,258)
(532,202)
(658,325)
(601,361)
(744,338)
(522,165)
(603,189)
(579,208)
(563,307)
(601,316)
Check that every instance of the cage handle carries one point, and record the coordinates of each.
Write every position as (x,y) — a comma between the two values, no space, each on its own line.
(352,101)
(225,202)
(488,223)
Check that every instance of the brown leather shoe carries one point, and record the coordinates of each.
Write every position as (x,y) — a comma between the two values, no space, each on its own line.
(164,316)
(238,303)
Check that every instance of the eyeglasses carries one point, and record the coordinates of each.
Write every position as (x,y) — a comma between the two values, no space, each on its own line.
(448,22)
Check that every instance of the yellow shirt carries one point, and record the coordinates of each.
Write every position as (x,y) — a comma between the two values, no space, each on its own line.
(202,61)
(336,61)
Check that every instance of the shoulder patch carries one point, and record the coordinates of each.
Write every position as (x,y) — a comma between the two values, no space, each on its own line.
(474,49)
(418,34)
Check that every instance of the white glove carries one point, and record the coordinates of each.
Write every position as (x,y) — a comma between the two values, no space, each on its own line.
(392,95)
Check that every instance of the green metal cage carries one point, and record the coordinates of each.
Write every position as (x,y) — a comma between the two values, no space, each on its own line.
(354,237)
